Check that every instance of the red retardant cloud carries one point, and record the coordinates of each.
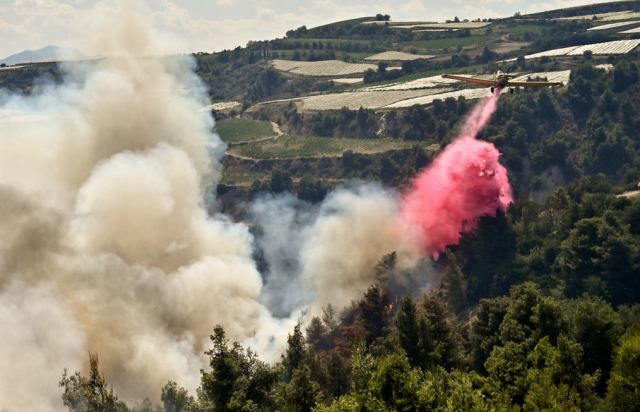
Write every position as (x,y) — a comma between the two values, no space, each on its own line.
(464,182)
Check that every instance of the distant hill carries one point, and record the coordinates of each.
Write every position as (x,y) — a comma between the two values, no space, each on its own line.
(48,53)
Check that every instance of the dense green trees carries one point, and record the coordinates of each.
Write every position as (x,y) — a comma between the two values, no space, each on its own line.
(523,351)
(89,393)
(624,385)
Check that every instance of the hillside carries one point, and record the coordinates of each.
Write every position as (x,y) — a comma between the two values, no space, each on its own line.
(45,54)
(328,132)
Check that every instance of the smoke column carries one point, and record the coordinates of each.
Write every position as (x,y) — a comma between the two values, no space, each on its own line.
(464,182)
(106,246)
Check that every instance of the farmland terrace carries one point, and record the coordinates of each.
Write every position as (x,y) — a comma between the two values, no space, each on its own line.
(347,97)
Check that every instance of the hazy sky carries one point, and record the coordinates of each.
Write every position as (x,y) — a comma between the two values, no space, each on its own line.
(209,25)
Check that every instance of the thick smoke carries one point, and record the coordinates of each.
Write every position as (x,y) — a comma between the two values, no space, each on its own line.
(464,182)
(328,254)
(281,223)
(354,230)
(106,247)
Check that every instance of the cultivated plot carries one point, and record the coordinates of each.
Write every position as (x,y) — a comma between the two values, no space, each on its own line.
(369,99)
(611,47)
(631,31)
(322,67)
(347,80)
(555,76)
(316,146)
(426,100)
(398,56)
(478,93)
(611,16)
(422,83)
(431,25)
(606,48)
(221,106)
(613,25)
(243,130)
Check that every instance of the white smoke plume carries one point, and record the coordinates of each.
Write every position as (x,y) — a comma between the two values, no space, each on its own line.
(282,224)
(328,255)
(106,246)
(355,229)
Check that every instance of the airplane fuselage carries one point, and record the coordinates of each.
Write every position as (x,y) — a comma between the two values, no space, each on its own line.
(501,79)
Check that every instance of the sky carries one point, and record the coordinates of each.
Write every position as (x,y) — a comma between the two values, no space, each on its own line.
(213,25)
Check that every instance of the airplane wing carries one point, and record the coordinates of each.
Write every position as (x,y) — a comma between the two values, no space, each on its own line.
(534,84)
(470,80)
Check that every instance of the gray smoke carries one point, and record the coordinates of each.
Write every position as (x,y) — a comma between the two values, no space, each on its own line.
(282,224)
(106,246)
(328,254)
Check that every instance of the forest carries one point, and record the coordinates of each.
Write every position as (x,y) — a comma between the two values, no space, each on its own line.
(536,310)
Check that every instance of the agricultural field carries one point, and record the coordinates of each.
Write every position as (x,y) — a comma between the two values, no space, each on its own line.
(221,106)
(396,23)
(421,83)
(370,99)
(398,56)
(322,68)
(613,25)
(243,130)
(432,25)
(327,43)
(446,26)
(468,94)
(439,45)
(507,46)
(631,31)
(606,48)
(611,47)
(315,146)
(612,16)
(549,53)
(555,76)
(517,29)
(241,176)
(347,80)
(478,93)
(434,30)
(15,67)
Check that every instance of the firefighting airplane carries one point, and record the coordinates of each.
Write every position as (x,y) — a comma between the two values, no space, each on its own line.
(502,80)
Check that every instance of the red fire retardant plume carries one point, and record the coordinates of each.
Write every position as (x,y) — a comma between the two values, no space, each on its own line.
(464,182)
